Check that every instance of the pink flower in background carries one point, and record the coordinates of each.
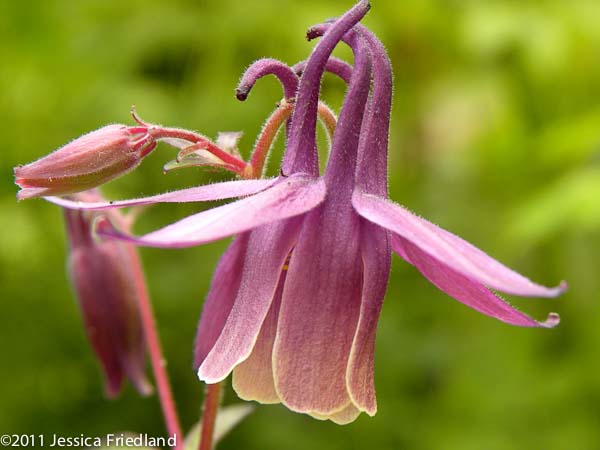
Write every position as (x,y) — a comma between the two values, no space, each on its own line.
(102,273)
(295,299)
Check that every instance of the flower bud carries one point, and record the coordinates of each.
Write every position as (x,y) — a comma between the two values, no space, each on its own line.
(87,162)
(103,275)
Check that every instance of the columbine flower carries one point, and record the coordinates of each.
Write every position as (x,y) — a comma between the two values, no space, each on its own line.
(103,276)
(295,299)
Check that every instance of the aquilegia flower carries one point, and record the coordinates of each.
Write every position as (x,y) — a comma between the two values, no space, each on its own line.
(104,277)
(295,299)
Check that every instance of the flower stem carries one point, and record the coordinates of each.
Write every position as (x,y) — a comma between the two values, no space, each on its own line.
(196,140)
(255,167)
(328,119)
(157,360)
(201,141)
(267,136)
(209,417)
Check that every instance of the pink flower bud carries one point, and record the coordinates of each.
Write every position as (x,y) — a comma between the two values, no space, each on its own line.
(87,162)
(103,275)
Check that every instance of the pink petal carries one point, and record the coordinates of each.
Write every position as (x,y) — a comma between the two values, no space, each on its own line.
(290,197)
(448,248)
(217,191)
(319,313)
(376,259)
(253,378)
(268,248)
(464,289)
(220,298)
(342,417)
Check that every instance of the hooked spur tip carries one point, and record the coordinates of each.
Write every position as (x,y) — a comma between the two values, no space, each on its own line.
(317,31)
(313,33)
(241,93)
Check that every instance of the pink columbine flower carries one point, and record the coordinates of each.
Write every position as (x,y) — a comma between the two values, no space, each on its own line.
(295,299)
(102,273)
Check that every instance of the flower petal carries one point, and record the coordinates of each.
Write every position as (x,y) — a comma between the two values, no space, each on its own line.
(376,260)
(219,301)
(342,417)
(290,197)
(464,289)
(216,191)
(268,248)
(319,313)
(253,378)
(448,248)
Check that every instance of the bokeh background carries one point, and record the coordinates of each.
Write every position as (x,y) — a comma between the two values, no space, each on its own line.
(495,136)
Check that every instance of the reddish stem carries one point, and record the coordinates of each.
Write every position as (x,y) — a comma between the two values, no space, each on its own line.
(209,417)
(154,350)
(328,119)
(267,136)
(159,132)
(270,129)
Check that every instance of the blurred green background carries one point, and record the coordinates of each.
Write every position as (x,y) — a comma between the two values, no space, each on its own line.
(495,136)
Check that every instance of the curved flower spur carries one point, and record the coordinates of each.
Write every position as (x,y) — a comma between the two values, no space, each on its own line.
(295,299)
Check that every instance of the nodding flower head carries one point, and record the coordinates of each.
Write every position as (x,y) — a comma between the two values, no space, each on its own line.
(87,162)
(294,303)
(107,287)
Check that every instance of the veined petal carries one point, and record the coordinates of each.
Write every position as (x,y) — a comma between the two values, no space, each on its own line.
(319,313)
(464,289)
(219,301)
(268,248)
(253,378)
(216,191)
(448,248)
(376,260)
(343,417)
(289,197)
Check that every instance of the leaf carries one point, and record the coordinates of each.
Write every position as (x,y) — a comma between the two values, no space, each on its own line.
(227,418)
